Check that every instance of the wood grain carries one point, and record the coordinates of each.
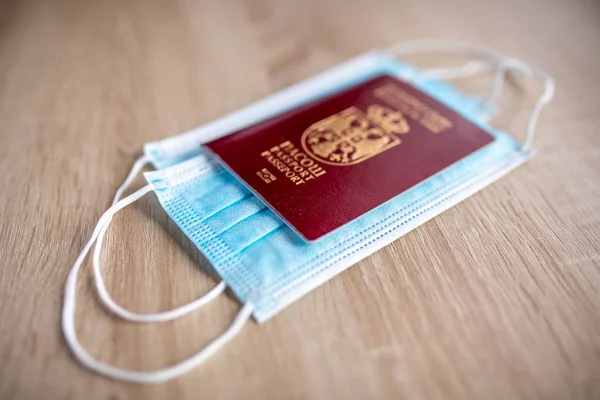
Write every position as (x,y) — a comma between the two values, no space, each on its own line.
(498,298)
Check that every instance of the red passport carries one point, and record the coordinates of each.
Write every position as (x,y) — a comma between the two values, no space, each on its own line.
(322,165)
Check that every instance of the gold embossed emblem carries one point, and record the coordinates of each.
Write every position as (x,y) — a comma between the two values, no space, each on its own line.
(352,136)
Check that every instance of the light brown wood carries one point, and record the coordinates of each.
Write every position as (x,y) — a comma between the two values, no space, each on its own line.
(498,298)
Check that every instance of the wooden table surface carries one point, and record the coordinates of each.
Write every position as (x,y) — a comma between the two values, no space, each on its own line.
(497,298)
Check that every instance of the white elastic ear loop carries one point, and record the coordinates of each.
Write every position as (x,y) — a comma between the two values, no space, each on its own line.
(492,60)
(472,67)
(498,62)
(466,70)
(103,293)
(545,98)
(469,69)
(509,64)
(161,375)
(135,170)
(445,46)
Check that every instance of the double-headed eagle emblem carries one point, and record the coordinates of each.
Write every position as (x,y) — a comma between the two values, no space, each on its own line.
(352,136)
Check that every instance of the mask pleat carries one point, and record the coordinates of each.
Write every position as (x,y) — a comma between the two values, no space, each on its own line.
(211,196)
(234,214)
(250,230)
(281,249)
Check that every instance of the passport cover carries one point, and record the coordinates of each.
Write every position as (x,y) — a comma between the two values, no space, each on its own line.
(327,163)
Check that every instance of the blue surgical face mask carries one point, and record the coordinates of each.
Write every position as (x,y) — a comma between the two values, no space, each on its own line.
(261,259)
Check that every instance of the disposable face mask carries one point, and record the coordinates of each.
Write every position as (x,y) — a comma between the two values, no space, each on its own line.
(171,151)
(259,258)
